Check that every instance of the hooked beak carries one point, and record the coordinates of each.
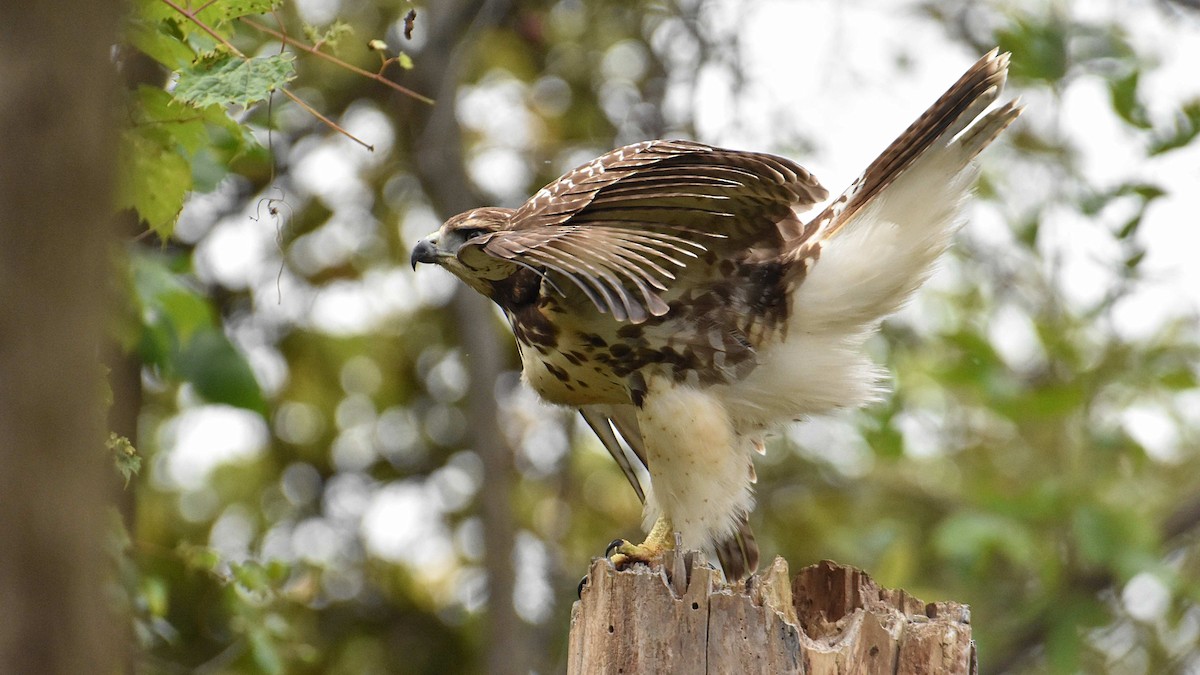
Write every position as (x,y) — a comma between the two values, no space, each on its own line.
(424,252)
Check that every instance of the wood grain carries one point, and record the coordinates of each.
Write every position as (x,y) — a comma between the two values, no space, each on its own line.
(827,620)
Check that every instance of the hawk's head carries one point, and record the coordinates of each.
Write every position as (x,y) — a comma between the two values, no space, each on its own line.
(458,246)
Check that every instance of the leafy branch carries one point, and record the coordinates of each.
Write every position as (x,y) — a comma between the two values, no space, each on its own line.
(205,89)
(169,128)
(315,51)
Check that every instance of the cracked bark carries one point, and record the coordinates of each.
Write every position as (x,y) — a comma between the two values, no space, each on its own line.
(828,620)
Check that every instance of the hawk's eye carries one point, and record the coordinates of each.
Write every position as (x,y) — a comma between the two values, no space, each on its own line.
(469,233)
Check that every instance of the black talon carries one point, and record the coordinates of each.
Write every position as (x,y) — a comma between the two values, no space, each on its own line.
(579,590)
(613,545)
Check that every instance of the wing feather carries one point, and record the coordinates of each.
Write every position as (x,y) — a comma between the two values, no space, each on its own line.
(583,286)
(612,260)
(602,425)
(599,265)
(597,259)
(604,420)
(614,226)
(585,279)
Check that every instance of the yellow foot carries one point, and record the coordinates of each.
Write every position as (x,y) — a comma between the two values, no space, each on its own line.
(623,553)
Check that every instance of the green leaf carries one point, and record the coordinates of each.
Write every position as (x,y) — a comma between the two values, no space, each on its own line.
(232,9)
(971,357)
(1147,191)
(156,595)
(1064,636)
(164,128)
(278,571)
(153,10)
(1179,379)
(1131,226)
(232,80)
(1125,100)
(181,337)
(331,37)
(153,179)
(252,576)
(968,536)
(170,308)
(1187,127)
(1110,537)
(1095,534)
(1039,49)
(157,114)
(125,456)
(215,15)
(159,41)
(219,372)
(262,647)
(404,60)
(199,557)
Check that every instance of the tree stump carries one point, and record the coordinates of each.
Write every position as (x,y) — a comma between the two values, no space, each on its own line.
(830,619)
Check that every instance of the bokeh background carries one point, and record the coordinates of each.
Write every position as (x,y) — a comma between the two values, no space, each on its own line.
(343,473)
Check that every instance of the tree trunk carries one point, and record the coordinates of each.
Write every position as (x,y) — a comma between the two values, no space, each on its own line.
(56,175)
(830,619)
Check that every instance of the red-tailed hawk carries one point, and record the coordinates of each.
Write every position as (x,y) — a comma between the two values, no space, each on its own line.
(673,293)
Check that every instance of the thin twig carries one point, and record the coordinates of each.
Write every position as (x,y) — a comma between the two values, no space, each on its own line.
(334,125)
(378,77)
(191,16)
(203,7)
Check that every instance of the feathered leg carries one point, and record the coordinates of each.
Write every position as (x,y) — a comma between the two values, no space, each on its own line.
(700,482)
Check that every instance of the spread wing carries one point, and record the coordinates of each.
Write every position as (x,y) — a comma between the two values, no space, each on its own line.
(622,226)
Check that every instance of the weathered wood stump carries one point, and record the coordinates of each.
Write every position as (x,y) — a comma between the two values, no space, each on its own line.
(829,619)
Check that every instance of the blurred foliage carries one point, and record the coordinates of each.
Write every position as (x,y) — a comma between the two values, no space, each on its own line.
(336,527)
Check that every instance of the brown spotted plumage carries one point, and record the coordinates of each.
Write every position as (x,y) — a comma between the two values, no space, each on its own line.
(672,292)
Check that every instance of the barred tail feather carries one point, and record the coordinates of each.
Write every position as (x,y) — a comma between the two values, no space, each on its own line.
(878,242)
(936,127)
(738,553)
(869,251)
